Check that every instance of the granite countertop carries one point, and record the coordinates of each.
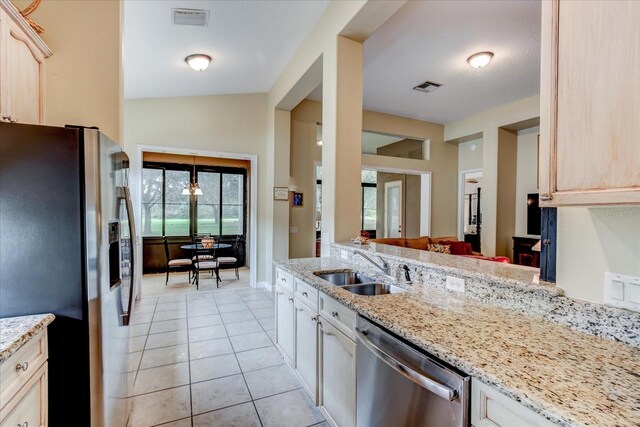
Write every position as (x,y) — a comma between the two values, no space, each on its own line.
(572,378)
(516,275)
(17,331)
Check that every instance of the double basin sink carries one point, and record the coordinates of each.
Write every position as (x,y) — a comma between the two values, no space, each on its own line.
(358,283)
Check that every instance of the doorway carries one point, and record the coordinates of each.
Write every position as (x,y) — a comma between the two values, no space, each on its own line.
(393,209)
(470,208)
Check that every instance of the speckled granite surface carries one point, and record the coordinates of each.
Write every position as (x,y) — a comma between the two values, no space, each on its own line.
(570,377)
(507,286)
(17,331)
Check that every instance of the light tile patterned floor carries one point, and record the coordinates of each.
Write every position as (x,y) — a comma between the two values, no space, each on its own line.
(208,359)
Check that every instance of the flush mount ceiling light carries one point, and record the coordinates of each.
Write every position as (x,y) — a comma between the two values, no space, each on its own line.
(198,61)
(480,59)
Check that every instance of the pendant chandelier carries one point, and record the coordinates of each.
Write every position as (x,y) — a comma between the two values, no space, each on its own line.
(192,188)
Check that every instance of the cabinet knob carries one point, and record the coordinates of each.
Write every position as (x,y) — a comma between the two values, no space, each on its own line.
(334,313)
(24,424)
(304,294)
(22,367)
(545,197)
(314,319)
(290,299)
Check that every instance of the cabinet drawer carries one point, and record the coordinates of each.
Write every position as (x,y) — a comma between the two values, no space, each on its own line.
(307,293)
(490,408)
(338,315)
(17,370)
(29,406)
(285,280)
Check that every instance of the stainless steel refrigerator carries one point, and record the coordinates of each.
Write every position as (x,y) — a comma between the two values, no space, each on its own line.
(67,248)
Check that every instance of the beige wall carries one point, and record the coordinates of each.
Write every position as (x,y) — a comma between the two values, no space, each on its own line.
(223,123)
(526,175)
(304,154)
(470,159)
(84,83)
(506,203)
(592,241)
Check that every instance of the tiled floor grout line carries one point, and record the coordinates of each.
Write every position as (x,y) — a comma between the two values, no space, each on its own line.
(189,365)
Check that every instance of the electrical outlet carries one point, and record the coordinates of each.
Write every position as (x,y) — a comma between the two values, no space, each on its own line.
(293,230)
(344,254)
(455,284)
(622,291)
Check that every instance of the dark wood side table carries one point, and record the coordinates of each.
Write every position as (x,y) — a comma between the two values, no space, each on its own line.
(522,253)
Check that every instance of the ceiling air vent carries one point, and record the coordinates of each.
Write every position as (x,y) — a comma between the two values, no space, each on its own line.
(197,17)
(427,86)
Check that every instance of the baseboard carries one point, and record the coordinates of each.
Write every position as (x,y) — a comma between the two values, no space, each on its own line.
(265,285)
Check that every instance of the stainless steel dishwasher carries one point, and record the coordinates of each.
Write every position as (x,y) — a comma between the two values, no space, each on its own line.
(401,386)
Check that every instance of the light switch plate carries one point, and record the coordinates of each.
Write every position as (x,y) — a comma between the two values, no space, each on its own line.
(455,284)
(293,230)
(622,291)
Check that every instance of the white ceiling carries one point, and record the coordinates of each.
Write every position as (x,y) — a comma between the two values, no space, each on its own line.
(431,40)
(250,42)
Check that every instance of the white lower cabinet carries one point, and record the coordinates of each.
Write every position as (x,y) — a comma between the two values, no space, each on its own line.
(306,342)
(285,323)
(337,376)
(490,408)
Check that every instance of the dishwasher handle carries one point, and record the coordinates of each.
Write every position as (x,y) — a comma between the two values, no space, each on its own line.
(433,386)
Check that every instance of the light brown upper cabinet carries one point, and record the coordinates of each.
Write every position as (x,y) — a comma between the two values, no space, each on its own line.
(22,56)
(590,103)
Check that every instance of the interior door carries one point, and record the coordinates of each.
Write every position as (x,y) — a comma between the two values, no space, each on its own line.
(393,209)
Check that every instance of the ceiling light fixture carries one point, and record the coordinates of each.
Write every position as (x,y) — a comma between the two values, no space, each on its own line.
(192,188)
(198,61)
(480,59)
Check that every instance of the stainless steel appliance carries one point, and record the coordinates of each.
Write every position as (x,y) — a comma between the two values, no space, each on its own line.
(66,247)
(398,385)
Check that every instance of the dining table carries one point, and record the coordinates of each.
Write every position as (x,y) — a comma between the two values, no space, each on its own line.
(199,247)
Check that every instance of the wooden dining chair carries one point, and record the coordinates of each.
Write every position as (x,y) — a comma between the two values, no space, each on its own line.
(232,261)
(176,264)
(205,259)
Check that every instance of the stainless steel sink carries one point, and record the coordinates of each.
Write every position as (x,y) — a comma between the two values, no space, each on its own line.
(371,289)
(345,278)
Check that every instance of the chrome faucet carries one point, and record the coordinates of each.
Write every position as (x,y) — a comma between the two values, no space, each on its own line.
(383,266)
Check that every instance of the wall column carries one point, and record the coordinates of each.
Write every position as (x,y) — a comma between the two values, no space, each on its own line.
(282,150)
(341,133)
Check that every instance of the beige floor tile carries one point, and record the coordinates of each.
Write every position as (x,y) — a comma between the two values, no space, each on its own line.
(236,306)
(133,361)
(137,344)
(237,316)
(219,393)
(261,313)
(270,381)
(291,409)
(203,311)
(195,303)
(166,339)
(244,327)
(200,321)
(171,305)
(160,407)
(214,367)
(228,299)
(268,323)
(139,330)
(169,315)
(165,356)
(209,348)
(140,309)
(250,341)
(168,298)
(185,422)
(162,326)
(255,296)
(243,415)
(147,301)
(207,333)
(139,318)
(259,358)
(263,303)
(161,378)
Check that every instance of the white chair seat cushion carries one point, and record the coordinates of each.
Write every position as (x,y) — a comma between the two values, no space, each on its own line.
(179,262)
(227,260)
(203,258)
(206,265)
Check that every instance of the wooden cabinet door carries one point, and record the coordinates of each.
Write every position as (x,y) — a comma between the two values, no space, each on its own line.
(306,341)
(590,81)
(29,405)
(337,375)
(285,323)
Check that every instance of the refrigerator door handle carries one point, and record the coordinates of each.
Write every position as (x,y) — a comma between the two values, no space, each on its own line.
(125,194)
